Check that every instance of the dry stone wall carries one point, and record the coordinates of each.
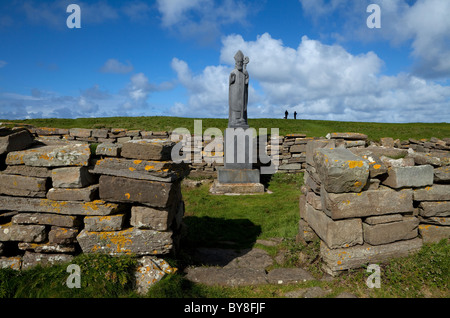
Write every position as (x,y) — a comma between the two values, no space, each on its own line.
(59,198)
(367,207)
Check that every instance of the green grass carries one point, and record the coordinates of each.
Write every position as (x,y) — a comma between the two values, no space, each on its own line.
(237,222)
(312,128)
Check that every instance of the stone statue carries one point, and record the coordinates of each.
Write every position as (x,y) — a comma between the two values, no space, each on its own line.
(238,93)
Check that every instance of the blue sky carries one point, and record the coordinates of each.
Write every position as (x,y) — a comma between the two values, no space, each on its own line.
(173,57)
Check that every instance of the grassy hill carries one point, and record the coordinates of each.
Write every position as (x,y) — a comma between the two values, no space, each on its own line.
(316,128)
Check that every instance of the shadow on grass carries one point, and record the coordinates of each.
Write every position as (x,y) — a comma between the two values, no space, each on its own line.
(207,231)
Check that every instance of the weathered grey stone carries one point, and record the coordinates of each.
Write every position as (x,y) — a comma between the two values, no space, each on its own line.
(426,159)
(104,223)
(340,170)
(236,188)
(347,136)
(436,220)
(298,148)
(97,207)
(109,149)
(148,149)
(417,176)
(401,162)
(311,182)
(153,219)
(442,174)
(47,247)
(312,145)
(22,233)
(14,140)
(47,131)
(129,241)
(434,208)
(47,219)
(335,234)
(433,233)
(238,175)
(149,271)
(387,142)
(390,232)
(100,133)
(23,186)
(11,262)
(314,200)
(87,194)
(380,219)
(288,276)
(356,256)
(367,203)
(52,156)
(80,132)
(39,172)
(62,235)
(254,258)
(385,151)
(30,259)
(306,232)
(217,276)
(165,171)
(153,193)
(437,192)
(354,143)
(71,177)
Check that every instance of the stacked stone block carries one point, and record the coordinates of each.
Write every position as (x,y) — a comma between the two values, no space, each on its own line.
(368,208)
(59,198)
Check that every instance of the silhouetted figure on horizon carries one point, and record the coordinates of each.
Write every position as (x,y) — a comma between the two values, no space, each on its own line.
(295,115)
(286,114)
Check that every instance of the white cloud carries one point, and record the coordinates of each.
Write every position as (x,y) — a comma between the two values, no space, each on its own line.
(318,81)
(114,66)
(422,24)
(200,19)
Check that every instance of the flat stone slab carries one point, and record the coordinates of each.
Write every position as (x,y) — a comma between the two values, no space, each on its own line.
(442,174)
(22,233)
(437,192)
(236,188)
(218,276)
(71,154)
(31,259)
(367,203)
(390,232)
(434,208)
(97,207)
(409,177)
(47,219)
(347,136)
(354,257)
(14,140)
(23,186)
(128,241)
(87,194)
(165,171)
(433,233)
(148,149)
(340,170)
(341,233)
(153,193)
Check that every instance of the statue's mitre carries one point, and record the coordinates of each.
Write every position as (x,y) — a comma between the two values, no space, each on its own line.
(239,56)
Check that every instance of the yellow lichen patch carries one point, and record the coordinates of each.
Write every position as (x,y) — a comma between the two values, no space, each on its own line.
(136,162)
(131,169)
(128,196)
(147,168)
(359,194)
(353,164)
(377,167)
(358,184)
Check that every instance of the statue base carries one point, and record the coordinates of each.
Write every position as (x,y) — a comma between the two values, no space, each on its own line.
(236,188)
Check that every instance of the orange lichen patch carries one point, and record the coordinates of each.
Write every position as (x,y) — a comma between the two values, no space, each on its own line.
(128,196)
(54,205)
(131,169)
(353,164)
(358,184)
(377,167)
(147,168)
(359,194)
(136,162)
